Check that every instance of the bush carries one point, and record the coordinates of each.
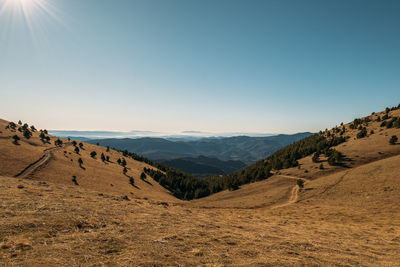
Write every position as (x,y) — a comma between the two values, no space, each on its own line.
(74,180)
(362,133)
(335,157)
(58,142)
(16,139)
(27,134)
(315,157)
(393,140)
(300,183)
(12,125)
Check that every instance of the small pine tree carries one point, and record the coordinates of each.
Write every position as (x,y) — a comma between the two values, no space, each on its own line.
(93,154)
(315,157)
(119,161)
(76,150)
(27,134)
(321,166)
(143,176)
(81,145)
(300,183)
(103,158)
(16,139)
(393,140)
(74,180)
(132,181)
(108,158)
(80,161)
(20,122)
(123,163)
(74,143)
(108,149)
(58,142)
(125,170)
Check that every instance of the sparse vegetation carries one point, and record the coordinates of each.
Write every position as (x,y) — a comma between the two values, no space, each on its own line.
(315,157)
(300,183)
(80,161)
(74,180)
(362,133)
(393,140)
(335,157)
(16,139)
(58,142)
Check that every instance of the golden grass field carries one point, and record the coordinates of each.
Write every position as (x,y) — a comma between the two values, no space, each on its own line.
(344,216)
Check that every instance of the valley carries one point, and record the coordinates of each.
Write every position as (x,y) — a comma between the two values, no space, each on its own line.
(341,215)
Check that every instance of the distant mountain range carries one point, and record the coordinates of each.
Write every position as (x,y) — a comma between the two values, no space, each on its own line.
(182,136)
(239,148)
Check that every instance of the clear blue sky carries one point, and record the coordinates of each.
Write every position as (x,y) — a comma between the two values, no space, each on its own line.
(216,66)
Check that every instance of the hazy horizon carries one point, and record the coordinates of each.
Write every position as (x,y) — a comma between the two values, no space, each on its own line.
(211,66)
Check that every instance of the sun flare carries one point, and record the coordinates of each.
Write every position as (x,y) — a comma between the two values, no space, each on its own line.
(36,15)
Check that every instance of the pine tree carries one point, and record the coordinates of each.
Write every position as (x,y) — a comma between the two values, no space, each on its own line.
(393,140)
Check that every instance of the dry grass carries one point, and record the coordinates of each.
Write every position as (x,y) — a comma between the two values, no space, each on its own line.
(343,216)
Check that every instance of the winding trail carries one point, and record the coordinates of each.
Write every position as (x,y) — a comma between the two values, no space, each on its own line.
(31,168)
(294,194)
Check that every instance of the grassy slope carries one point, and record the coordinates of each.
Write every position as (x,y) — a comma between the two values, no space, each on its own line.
(100,176)
(343,216)
(337,223)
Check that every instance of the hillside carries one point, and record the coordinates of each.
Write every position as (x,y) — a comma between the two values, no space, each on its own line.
(60,164)
(334,222)
(244,148)
(346,213)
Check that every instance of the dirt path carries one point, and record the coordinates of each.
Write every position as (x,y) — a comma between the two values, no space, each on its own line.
(294,194)
(31,168)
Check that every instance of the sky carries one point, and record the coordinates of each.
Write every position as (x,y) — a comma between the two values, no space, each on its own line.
(270,66)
